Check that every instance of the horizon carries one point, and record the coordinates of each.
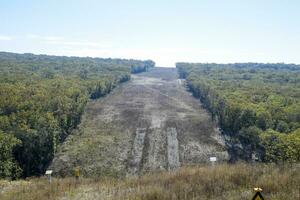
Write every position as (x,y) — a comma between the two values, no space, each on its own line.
(229,63)
(165,32)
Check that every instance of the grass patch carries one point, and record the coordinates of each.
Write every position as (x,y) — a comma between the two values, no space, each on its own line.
(199,182)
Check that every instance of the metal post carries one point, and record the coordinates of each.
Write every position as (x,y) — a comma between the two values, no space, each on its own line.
(50,178)
(48,173)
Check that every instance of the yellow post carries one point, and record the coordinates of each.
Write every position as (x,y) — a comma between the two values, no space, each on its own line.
(77,173)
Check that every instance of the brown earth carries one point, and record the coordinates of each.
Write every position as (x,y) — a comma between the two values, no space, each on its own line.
(150,123)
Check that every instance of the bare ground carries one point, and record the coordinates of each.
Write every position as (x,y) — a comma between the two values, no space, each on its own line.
(151,123)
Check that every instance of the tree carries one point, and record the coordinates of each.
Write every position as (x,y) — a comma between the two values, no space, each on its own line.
(8,166)
(282,127)
(42,99)
(264,121)
(249,137)
(251,100)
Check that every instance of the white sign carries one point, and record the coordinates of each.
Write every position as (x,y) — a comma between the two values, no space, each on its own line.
(212,159)
(48,172)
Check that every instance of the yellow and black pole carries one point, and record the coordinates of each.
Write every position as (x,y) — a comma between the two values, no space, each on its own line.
(258,195)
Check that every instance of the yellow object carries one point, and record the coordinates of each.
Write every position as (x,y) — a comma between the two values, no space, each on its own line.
(257,198)
(77,172)
(258,195)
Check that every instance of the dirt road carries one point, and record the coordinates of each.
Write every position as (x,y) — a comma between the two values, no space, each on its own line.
(150,123)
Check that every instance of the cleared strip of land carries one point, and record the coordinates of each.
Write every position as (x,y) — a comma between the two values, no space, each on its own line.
(150,123)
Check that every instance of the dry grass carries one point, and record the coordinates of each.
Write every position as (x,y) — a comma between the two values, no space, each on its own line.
(200,182)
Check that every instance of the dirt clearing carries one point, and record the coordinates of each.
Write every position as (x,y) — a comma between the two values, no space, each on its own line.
(150,123)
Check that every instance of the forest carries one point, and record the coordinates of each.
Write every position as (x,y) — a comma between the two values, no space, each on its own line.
(42,99)
(256,105)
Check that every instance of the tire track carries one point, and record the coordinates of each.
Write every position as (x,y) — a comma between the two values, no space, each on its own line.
(172,149)
(154,157)
(137,151)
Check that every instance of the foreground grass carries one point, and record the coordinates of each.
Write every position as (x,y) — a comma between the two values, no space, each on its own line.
(202,182)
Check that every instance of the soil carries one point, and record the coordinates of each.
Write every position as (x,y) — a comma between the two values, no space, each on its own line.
(147,124)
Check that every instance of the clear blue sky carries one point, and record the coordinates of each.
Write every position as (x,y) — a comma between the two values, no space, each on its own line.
(166,31)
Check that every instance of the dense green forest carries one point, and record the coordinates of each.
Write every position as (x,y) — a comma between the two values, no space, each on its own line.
(257,105)
(42,99)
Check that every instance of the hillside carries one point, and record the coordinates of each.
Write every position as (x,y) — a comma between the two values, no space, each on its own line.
(42,99)
(151,123)
(149,138)
(256,104)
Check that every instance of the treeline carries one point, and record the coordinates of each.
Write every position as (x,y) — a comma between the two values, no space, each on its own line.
(42,99)
(142,67)
(258,105)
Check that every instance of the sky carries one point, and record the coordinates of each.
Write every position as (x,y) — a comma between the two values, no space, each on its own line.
(166,31)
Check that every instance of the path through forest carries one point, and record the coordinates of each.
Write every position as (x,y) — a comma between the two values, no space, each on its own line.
(151,123)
